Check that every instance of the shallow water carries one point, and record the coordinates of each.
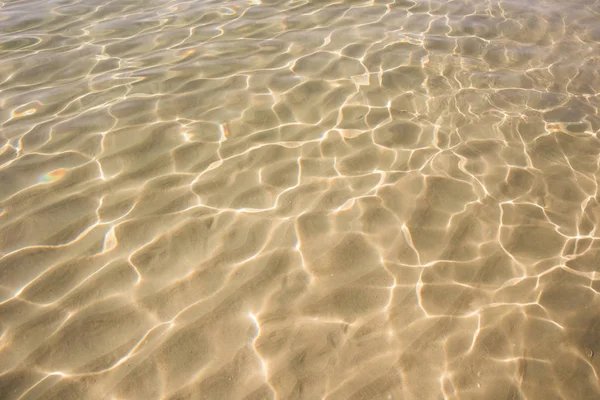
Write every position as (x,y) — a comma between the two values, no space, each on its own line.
(299,199)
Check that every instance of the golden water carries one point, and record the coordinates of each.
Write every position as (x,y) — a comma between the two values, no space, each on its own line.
(386,199)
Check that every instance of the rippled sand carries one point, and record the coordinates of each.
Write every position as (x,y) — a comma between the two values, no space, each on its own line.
(299,199)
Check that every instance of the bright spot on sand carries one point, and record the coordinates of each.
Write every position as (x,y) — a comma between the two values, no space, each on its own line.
(53,176)
(29,111)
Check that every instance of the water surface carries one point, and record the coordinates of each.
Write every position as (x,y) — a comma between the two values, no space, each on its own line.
(299,199)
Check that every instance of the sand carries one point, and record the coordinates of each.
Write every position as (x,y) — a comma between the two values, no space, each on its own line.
(299,200)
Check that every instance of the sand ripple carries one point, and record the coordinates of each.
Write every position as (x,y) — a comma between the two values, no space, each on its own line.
(299,199)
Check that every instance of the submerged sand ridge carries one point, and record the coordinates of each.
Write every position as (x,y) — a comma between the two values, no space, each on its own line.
(299,200)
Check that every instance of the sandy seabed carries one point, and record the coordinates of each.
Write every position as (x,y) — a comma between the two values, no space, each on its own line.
(299,200)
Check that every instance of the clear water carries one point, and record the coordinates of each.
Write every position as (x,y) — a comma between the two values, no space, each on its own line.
(299,199)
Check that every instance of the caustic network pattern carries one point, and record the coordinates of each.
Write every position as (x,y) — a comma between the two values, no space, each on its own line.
(347,199)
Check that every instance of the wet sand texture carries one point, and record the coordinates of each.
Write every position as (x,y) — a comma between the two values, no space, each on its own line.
(385,199)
